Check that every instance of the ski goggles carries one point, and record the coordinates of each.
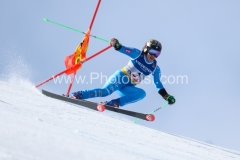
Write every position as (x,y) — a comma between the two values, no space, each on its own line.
(154,52)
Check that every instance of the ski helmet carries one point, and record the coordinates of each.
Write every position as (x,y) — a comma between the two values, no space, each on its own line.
(153,47)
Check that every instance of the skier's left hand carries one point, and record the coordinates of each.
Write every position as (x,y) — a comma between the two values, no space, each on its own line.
(166,96)
(170,99)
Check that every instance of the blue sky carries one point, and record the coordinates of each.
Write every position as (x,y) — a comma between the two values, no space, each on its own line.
(200,39)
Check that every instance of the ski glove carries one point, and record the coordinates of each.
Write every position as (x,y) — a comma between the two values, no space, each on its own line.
(170,99)
(115,43)
(166,96)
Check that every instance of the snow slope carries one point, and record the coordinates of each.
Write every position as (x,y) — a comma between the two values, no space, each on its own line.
(33,126)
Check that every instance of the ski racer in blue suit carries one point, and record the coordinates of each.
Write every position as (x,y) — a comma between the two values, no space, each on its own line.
(124,81)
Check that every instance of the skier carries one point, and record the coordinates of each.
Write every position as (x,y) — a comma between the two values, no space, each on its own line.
(124,81)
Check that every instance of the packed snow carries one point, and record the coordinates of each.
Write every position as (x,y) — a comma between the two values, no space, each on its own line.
(34,126)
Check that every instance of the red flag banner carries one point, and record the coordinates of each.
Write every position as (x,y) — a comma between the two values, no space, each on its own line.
(78,55)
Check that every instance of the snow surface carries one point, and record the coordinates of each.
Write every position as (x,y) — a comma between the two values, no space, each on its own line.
(33,126)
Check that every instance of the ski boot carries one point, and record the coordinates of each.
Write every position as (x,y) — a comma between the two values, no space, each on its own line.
(76,95)
(115,103)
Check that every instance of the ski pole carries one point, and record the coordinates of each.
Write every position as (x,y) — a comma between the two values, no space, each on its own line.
(135,121)
(47,20)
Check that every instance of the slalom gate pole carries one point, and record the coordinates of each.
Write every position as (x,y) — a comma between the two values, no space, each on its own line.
(56,75)
(135,121)
(94,15)
(90,28)
(83,61)
(50,79)
(94,55)
(71,83)
(47,20)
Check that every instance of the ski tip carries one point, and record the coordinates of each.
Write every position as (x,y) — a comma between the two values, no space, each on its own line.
(150,117)
(45,19)
(100,107)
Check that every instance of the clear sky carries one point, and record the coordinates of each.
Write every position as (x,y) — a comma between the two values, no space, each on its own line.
(200,39)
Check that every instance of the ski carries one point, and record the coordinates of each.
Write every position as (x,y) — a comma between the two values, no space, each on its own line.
(99,107)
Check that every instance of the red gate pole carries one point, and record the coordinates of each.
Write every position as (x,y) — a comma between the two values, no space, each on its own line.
(77,65)
(90,27)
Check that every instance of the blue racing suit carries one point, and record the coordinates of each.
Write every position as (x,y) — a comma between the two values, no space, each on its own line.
(124,81)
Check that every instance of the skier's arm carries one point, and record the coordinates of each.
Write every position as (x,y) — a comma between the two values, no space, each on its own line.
(161,90)
(131,52)
(156,78)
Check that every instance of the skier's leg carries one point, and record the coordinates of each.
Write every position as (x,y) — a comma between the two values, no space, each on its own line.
(111,85)
(130,94)
(95,92)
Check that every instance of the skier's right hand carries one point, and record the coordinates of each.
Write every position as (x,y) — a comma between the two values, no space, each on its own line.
(115,43)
